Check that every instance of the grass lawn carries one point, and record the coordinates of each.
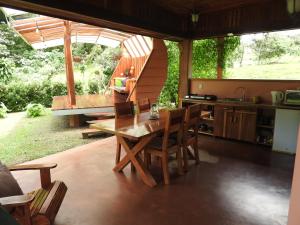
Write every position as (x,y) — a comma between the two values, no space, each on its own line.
(282,71)
(37,137)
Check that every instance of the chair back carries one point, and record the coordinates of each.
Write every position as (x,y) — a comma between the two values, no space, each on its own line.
(124,109)
(192,118)
(143,105)
(174,126)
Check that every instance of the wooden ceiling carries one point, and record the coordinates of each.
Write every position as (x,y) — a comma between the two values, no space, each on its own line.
(202,6)
(169,19)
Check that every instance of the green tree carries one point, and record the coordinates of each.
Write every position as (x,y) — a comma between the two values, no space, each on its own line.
(205,56)
(170,91)
(268,49)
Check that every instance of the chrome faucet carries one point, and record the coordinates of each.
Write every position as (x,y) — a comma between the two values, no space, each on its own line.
(243,92)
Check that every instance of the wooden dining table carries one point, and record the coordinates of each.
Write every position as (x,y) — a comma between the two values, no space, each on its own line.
(138,129)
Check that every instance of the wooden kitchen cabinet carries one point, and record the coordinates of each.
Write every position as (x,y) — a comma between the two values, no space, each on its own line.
(219,120)
(240,125)
(247,125)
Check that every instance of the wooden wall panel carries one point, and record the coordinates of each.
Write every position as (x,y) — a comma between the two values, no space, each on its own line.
(154,75)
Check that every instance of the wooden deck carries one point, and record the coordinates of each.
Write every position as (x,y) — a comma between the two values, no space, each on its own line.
(235,183)
(84,104)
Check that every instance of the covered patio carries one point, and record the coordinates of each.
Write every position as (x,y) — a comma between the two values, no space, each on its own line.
(236,182)
(224,188)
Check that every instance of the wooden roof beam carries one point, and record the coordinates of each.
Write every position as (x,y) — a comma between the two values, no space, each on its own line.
(140,17)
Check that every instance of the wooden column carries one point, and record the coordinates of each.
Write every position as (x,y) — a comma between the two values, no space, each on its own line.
(294,216)
(69,63)
(185,67)
(220,60)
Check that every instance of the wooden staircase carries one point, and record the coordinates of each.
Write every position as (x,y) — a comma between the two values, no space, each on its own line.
(149,58)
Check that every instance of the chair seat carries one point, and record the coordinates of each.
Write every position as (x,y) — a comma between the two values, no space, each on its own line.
(157,143)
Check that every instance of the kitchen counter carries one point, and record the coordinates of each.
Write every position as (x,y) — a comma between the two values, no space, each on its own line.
(246,104)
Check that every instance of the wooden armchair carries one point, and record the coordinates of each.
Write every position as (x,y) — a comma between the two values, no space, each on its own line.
(190,134)
(170,143)
(41,206)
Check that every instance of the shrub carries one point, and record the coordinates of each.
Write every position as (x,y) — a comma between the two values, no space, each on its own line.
(17,95)
(3,110)
(35,110)
(93,87)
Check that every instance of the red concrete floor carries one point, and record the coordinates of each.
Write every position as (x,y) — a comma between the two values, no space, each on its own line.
(235,184)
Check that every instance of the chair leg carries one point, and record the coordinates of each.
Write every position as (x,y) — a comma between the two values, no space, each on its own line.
(196,152)
(165,167)
(147,159)
(118,153)
(179,161)
(185,160)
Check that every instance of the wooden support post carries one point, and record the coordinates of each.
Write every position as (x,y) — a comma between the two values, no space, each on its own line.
(185,67)
(69,63)
(294,216)
(220,60)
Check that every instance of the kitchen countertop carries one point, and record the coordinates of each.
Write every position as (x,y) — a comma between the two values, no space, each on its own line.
(246,104)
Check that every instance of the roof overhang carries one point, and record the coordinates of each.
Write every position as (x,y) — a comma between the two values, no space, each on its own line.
(166,20)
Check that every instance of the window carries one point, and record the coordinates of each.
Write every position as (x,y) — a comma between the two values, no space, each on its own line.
(273,55)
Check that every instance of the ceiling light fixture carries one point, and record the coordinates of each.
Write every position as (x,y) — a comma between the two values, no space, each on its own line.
(195,17)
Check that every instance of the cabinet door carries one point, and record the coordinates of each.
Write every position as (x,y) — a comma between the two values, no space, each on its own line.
(247,126)
(231,124)
(218,120)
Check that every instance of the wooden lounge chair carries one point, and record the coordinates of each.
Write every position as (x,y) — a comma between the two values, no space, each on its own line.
(170,143)
(38,207)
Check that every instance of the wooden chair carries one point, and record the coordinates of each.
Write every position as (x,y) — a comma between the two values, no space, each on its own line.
(143,105)
(41,206)
(190,133)
(170,143)
(122,109)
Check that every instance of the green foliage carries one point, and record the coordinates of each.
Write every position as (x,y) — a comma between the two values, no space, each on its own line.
(17,95)
(170,90)
(34,110)
(109,60)
(231,51)
(6,69)
(93,87)
(268,49)
(3,110)
(204,58)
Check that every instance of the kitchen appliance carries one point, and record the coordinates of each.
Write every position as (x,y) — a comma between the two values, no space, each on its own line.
(292,97)
(277,97)
(202,97)
(287,122)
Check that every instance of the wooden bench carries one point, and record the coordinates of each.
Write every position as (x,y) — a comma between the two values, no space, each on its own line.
(41,206)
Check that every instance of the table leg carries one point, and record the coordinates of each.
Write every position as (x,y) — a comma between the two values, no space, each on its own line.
(133,156)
